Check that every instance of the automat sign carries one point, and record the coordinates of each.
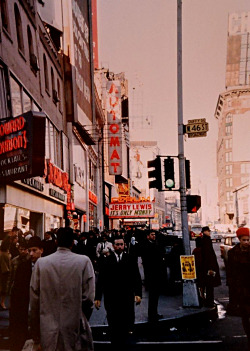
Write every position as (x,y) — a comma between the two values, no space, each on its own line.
(114,127)
(21,156)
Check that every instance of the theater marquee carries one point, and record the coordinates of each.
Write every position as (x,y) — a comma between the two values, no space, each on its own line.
(131,210)
(22,147)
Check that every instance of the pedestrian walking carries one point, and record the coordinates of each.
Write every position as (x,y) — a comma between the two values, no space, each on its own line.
(16,261)
(154,273)
(62,297)
(198,267)
(5,261)
(119,281)
(210,273)
(20,296)
(49,244)
(238,277)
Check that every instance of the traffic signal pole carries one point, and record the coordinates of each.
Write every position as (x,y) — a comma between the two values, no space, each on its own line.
(190,293)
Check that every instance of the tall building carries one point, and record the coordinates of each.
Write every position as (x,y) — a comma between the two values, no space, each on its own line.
(233,114)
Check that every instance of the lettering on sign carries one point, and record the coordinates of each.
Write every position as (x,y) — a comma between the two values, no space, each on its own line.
(56,194)
(20,156)
(56,176)
(33,183)
(114,127)
(93,197)
(124,199)
(131,210)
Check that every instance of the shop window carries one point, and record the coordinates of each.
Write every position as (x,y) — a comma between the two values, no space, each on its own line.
(19,29)
(45,71)
(4,15)
(5,108)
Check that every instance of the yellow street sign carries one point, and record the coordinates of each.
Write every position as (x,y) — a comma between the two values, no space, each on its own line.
(188,271)
(196,127)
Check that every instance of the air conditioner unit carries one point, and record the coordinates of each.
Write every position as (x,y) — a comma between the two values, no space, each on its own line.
(55,96)
(34,62)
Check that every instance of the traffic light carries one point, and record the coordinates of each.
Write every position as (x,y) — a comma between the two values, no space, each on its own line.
(156,173)
(187,172)
(193,203)
(169,182)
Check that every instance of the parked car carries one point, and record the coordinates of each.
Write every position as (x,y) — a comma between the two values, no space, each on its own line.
(229,242)
(215,236)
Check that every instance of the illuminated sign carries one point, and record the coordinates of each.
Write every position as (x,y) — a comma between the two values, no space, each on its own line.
(56,176)
(21,156)
(93,197)
(124,199)
(114,127)
(131,210)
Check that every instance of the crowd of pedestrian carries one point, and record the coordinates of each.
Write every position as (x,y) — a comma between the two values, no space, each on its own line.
(53,284)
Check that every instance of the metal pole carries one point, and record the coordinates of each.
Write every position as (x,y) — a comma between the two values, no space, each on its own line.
(184,215)
(190,293)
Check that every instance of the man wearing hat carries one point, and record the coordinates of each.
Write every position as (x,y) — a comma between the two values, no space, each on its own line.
(19,298)
(210,272)
(238,277)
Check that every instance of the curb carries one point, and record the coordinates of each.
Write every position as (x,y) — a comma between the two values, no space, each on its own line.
(146,329)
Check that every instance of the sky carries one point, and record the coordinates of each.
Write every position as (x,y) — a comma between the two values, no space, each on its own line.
(139,37)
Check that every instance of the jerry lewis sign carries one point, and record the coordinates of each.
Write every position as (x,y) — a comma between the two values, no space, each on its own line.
(131,210)
(22,146)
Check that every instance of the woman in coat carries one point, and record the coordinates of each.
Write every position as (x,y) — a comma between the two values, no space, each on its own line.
(5,261)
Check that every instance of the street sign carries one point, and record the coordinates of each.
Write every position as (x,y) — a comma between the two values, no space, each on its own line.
(196,128)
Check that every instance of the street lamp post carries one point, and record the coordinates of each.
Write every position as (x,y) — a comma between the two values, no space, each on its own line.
(190,294)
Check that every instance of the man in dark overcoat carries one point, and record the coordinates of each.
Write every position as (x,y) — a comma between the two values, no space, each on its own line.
(20,296)
(238,277)
(119,281)
(152,255)
(210,272)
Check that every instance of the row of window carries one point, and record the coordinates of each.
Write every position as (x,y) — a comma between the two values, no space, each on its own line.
(55,89)
(56,142)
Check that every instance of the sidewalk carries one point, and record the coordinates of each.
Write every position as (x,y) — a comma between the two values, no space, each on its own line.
(170,306)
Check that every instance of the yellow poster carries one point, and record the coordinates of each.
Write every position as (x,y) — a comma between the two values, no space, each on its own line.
(188,267)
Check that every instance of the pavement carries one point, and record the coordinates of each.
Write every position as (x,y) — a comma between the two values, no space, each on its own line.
(170,306)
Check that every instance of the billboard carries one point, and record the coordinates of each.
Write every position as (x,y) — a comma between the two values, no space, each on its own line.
(22,147)
(82,53)
(114,127)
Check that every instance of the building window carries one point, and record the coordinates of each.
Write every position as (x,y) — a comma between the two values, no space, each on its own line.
(19,29)
(4,15)
(229,182)
(229,118)
(21,100)
(5,108)
(245,168)
(45,71)
(229,130)
(229,143)
(59,95)
(229,196)
(16,97)
(229,156)
(244,180)
(53,144)
(229,169)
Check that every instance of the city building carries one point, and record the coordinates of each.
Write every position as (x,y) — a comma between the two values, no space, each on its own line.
(233,114)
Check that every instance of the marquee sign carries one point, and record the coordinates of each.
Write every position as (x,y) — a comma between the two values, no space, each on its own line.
(22,147)
(114,127)
(131,210)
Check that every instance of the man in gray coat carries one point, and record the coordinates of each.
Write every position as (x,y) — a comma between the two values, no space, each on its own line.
(61,298)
